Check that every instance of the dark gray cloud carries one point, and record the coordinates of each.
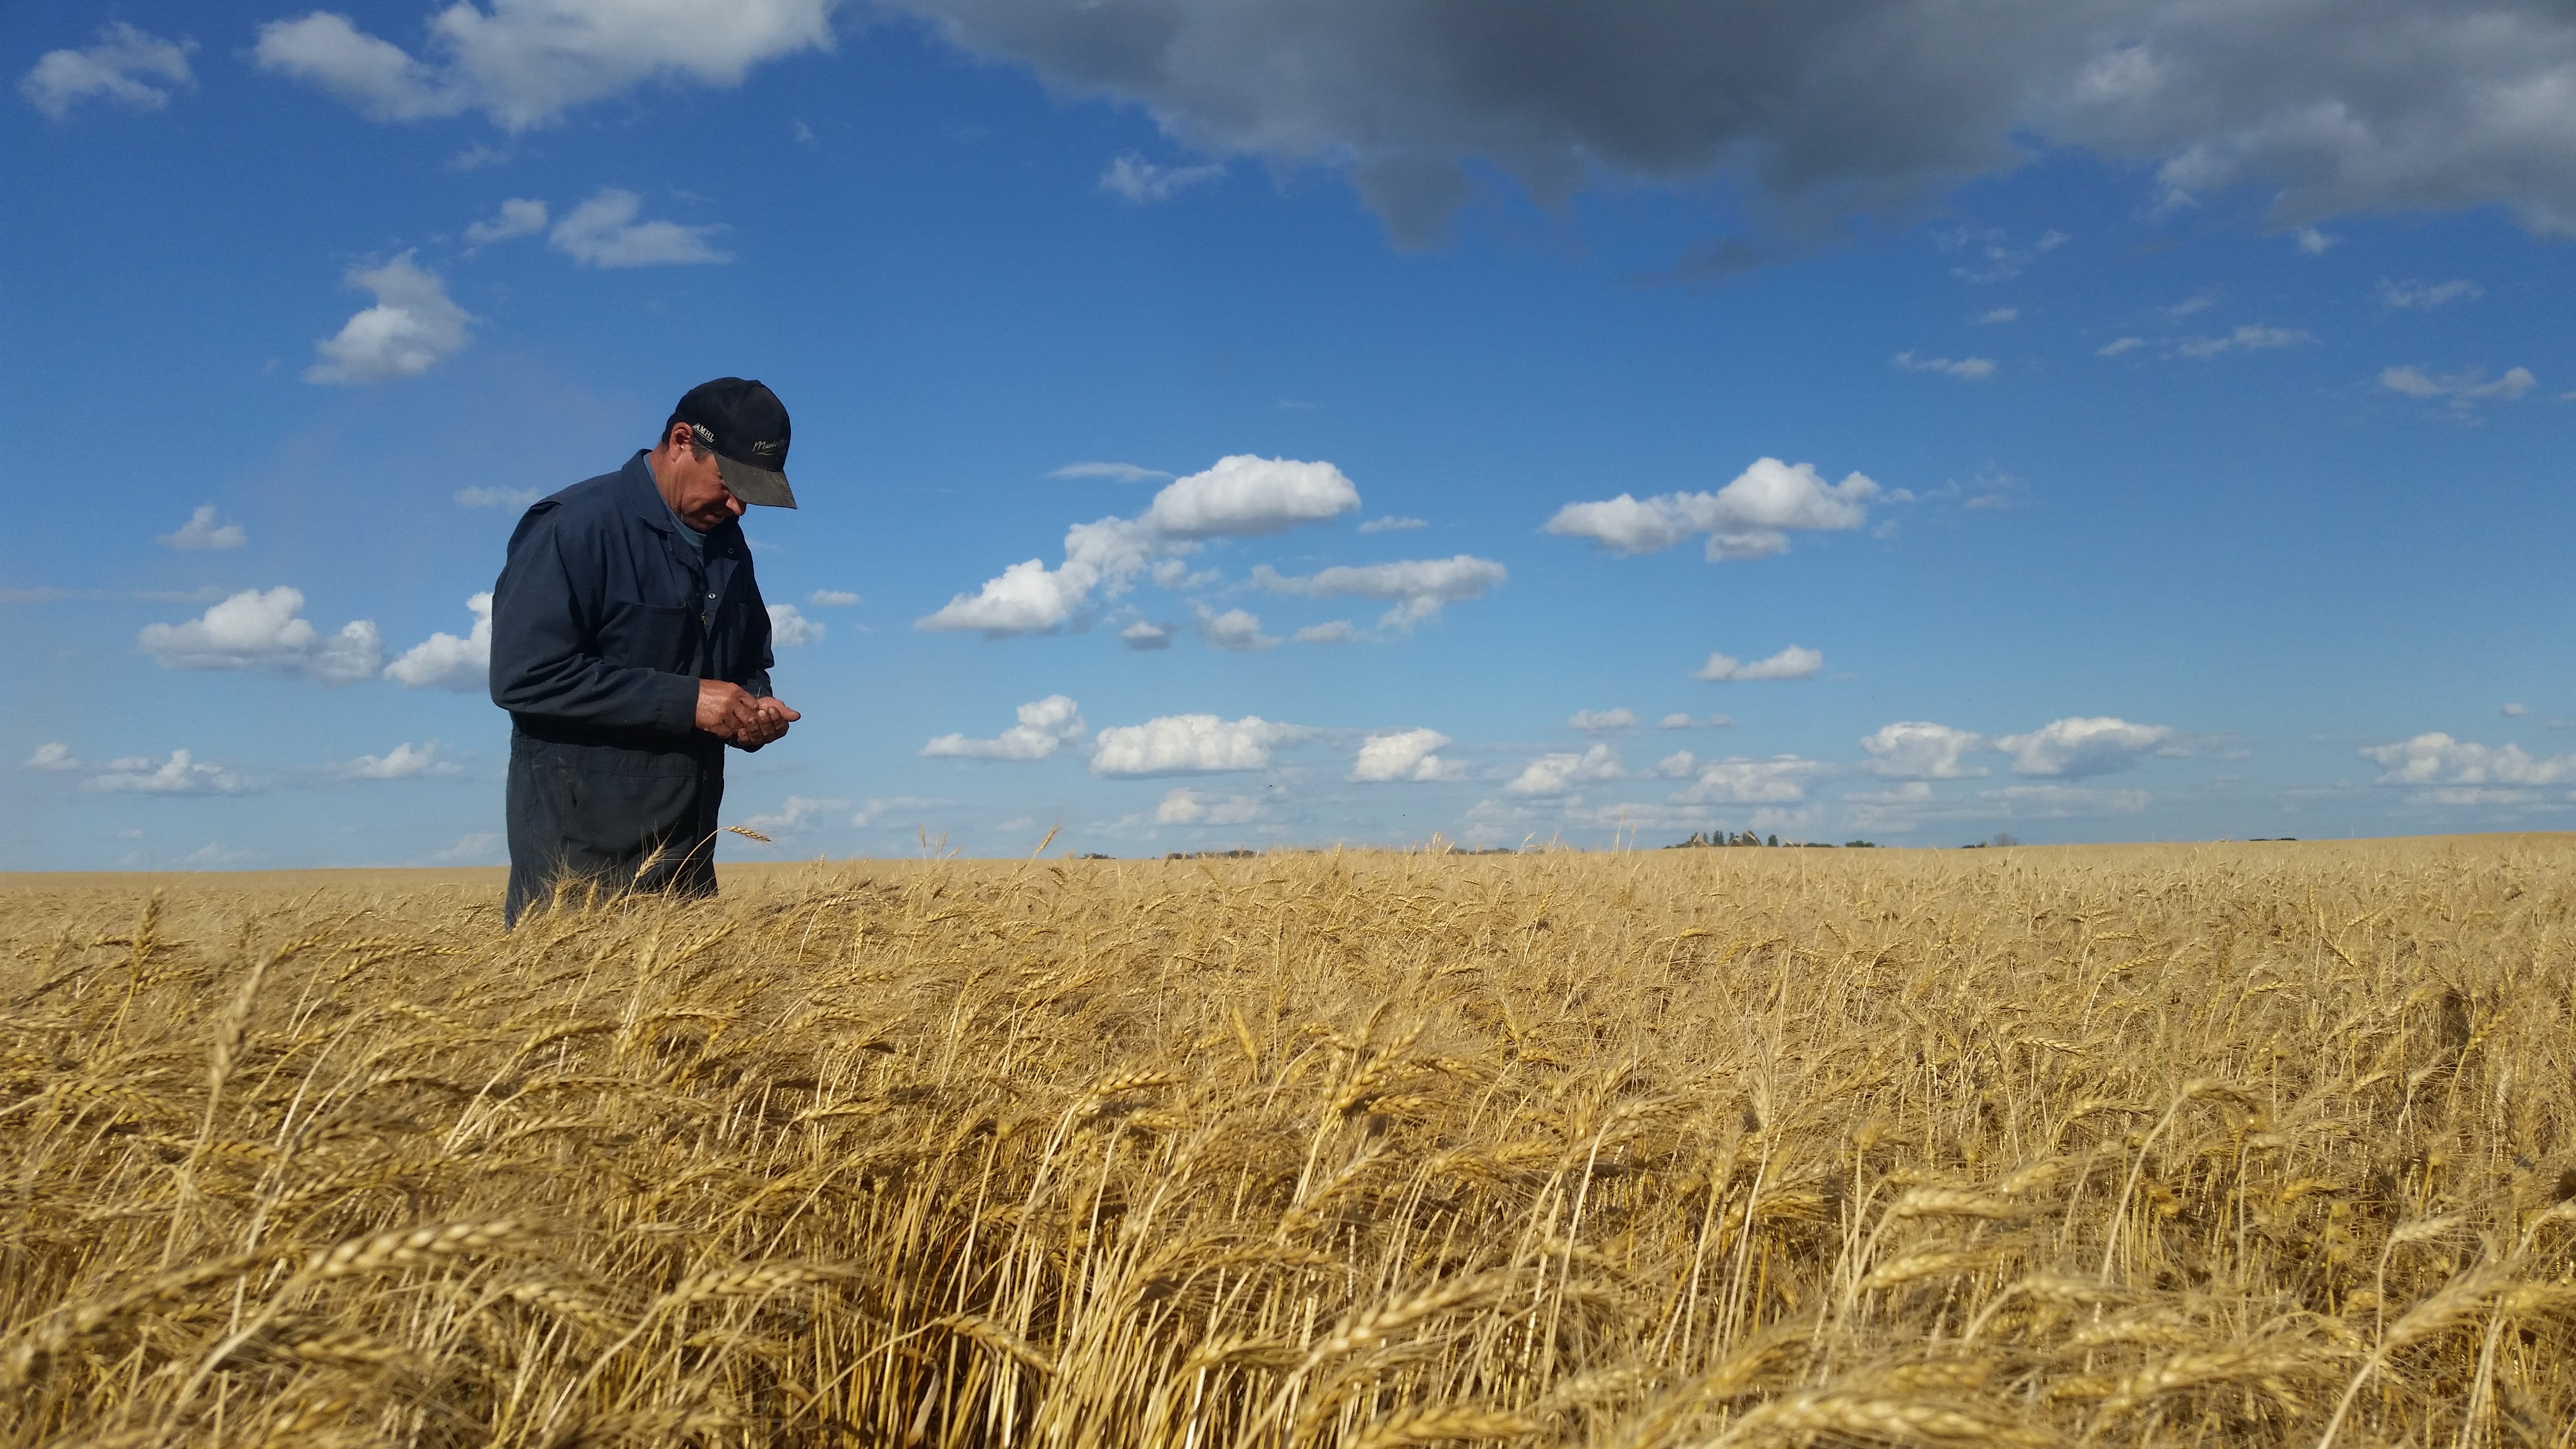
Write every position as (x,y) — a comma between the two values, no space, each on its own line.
(2343,105)
(1823,112)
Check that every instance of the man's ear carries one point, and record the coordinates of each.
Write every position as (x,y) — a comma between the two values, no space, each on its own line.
(677,435)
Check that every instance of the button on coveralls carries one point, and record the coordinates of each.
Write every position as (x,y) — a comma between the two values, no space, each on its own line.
(603,623)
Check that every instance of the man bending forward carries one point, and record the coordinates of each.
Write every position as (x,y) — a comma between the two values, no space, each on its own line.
(630,646)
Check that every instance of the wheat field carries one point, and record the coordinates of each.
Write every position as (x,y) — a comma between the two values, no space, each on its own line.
(2252,1144)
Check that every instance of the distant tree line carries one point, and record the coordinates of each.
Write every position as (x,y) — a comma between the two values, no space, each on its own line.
(1700,840)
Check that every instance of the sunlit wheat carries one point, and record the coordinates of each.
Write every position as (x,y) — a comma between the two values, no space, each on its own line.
(2253,1144)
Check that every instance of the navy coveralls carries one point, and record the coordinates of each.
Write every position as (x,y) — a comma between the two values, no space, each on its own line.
(603,623)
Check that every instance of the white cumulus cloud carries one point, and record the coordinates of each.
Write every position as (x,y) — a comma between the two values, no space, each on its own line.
(2243,339)
(603,232)
(1114,472)
(202,532)
(1554,774)
(374,75)
(2424,296)
(410,329)
(1778,780)
(1188,807)
(1045,726)
(796,814)
(1419,586)
(1235,631)
(1606,721)
(443,661)
(1920,750)
(1182,744)
(524,63)
(1914,804)
(885,810)
(131,67)
(403,762)
(2077,747)
(265,631)
(519,216)
(2438,759)
(1145,634)
(1027,598)
(1241,496)
(1994,255)
(1393,523)
(1245,495)
(1966,369)
(833,599)
(1404,755)
(1143,183)
(181,774)
(1751,517)
(1790,663)
(2461,390)
(1176,574)
(789,628)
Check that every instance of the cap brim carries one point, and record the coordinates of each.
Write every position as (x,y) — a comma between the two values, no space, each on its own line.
(756,486)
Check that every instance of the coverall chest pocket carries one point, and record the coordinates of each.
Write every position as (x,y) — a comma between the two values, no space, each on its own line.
(649,636)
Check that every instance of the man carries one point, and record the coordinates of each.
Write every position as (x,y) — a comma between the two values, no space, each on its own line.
(630,646)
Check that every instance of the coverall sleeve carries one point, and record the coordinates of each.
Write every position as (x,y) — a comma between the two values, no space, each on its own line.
(759,654)
(545,643)
(755,678)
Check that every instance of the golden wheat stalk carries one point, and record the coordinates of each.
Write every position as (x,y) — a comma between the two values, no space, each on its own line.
(1929,1263)
(1376,1325)
(1875,1419)
(1442,1424)
(411,1247)
(1000,1340)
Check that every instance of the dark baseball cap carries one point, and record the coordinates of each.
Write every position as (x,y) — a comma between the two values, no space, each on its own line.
(749,427)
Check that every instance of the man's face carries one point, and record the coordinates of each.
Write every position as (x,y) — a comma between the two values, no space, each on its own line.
(696,490)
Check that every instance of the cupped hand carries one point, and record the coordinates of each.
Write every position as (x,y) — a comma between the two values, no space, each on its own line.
(773,718)
(727,710)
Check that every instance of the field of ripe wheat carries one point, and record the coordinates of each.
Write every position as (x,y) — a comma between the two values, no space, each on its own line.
(2259,1144)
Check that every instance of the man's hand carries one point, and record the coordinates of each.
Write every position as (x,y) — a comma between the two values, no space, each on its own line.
(774,718)
(728,710)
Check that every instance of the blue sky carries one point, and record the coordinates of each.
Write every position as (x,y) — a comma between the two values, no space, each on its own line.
(1297,423)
